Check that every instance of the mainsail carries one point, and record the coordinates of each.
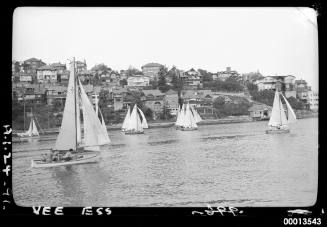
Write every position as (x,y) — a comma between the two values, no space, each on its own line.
(144,122)
(34,129)
(278,117)
(67,135)
(127,119)
(178,119)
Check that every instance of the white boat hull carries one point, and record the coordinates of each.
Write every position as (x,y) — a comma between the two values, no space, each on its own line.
(86,158)
(133,132)
(278,131)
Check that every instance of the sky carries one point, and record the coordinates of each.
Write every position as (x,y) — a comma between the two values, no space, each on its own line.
(275,41)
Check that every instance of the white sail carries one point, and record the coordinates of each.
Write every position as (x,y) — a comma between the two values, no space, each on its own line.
(278,117)
(35,132)
(291,117)
(30,128)
(78,120)
(182,120)
(93,130)
(104,127)
(67,135)
(126,120)
(144,122)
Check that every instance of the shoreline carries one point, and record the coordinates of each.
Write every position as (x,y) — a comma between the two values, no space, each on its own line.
(227,120)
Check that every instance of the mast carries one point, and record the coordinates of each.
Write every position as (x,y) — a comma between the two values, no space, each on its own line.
(280,110)
(75,103)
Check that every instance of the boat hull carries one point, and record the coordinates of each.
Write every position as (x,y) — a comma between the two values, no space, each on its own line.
(133,132)
(188,129)
(279,131)
(86,158)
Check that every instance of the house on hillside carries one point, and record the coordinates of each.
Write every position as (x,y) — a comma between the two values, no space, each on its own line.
(47,74)
(31,65)
(151,70)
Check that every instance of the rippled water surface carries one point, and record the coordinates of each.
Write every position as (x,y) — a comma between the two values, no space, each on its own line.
(224,164)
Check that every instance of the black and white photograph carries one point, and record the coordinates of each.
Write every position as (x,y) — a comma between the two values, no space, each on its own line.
(165,106)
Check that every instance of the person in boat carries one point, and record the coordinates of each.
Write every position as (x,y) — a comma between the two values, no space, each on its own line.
(68,156)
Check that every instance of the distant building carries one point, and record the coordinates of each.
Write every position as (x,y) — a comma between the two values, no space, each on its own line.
(31,65)
(47,74)
(151,70)
(80,66)
(223,75)
(286,84)
(25,78)
(259,111)
(192,79)
(313,100)
(53,93)
(138,81)
(59,67)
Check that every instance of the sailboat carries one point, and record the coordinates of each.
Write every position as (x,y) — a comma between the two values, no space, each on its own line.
(69,140)
(32,131)
(279,121)
(133,123)
(185,120)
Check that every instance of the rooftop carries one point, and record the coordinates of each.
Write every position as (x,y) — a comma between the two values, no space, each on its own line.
(152,65)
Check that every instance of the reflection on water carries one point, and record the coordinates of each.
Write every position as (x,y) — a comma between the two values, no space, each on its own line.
(226,164)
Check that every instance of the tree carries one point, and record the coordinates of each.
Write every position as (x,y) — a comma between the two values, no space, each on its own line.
(101,68)
(218,102)
(154,83)
(206,76)
(253,88)
(295,103)
(123,82)
(57,105)
(265,96)
(148,113)
(162,82)
(104,98)
(133,71)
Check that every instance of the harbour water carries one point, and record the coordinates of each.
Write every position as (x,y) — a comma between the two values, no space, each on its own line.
(224,164)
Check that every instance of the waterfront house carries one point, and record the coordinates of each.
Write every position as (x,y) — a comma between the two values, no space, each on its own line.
(260,111)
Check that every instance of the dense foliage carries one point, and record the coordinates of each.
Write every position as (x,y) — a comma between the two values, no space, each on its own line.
(162,82)
(223,108)
(229,85)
